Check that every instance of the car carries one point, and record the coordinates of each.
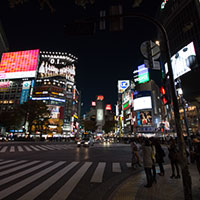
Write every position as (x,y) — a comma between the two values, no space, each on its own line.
(3,138)
(84,142)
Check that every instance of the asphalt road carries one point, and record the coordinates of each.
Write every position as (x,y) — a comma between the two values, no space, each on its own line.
(59,171)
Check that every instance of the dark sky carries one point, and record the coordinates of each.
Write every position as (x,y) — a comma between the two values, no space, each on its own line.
(104,57)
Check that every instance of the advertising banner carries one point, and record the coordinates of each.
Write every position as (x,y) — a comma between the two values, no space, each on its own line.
(25,91)
(20,64)
(183,61)
(53,64)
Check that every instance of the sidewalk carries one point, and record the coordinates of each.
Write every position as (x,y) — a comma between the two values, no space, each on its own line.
(165,188)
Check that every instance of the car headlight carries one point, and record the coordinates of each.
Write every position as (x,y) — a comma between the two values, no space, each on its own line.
(78,142)
(86,142)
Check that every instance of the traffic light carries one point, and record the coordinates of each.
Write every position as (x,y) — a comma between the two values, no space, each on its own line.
(165,96)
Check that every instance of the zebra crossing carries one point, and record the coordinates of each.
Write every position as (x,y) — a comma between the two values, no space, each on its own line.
(17,175)
(30,148)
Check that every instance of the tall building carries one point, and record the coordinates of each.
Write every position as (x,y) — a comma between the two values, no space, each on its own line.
(181,19)
(55,85)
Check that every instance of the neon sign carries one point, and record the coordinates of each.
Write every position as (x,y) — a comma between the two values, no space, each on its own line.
(163,4)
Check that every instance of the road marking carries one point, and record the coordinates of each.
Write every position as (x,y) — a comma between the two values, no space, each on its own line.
(98,174)
(116,167)
(32,194)
(3,149)
(15,176)
(4,193)
(36,149)
(68,187)
(12,164)
(7,161)
(12,149)
(41,148)
(128,164)
(53,147)
(27,148)
(45,146)
(17,168)
(20,148)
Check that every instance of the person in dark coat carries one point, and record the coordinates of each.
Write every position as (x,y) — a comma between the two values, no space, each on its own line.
(147,161)
(173,156)
(160,154)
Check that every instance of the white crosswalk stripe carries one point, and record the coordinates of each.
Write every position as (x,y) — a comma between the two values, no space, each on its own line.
(116,167)
(12,164)
(12,149)
(20,149)
(39,147)
(27,148)
(33,147)
(46,184)
(3,149)
(98,174)
(13,177)
(47,147)
(21,169)
(67,188)
(17,168)
(4,193)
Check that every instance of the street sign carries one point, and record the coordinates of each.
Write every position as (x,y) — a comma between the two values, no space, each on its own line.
(156,64)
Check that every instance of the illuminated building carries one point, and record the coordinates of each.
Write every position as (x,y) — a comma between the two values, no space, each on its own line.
(181,19)
(55,85)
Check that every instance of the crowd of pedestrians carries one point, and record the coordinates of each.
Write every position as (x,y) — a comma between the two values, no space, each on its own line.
(150,153)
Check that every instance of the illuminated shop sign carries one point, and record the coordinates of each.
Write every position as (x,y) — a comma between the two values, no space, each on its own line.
(20,64)
(126,105)
(108,107)
(183,61)
(123,85)
(4,86)
(93,103)
(53,64)
(100,98)
(48,98)
(54,111)
(143,74)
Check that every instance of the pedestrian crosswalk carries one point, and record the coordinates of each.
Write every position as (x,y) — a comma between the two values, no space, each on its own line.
(30,148)
(18,175)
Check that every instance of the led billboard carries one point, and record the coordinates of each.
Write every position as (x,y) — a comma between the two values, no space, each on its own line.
(54,64)
(20,64)
(142,103)
(4,86)
(108,107)
(183,60)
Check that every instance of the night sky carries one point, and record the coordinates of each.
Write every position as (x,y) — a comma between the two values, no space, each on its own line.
(103,58)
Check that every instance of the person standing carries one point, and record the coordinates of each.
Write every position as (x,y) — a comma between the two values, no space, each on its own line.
(147,161)
(160,154)
(196,143)
(173,156)
(134,158)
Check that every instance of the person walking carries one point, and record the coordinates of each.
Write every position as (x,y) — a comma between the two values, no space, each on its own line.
(147,161)
(153,159)
(160,154)
(173,156)
(134,149)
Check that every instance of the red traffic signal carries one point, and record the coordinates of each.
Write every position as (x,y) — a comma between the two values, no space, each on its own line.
(162,90)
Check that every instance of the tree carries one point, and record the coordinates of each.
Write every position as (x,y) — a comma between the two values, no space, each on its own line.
(11,120)
(109,126)
(90,125)
(36,113)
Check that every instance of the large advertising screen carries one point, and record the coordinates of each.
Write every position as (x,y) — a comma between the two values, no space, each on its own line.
(53,64)
(142,103)
(183,60)
(20,64)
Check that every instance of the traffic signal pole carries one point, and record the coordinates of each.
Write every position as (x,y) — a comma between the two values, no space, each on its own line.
(187,182)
